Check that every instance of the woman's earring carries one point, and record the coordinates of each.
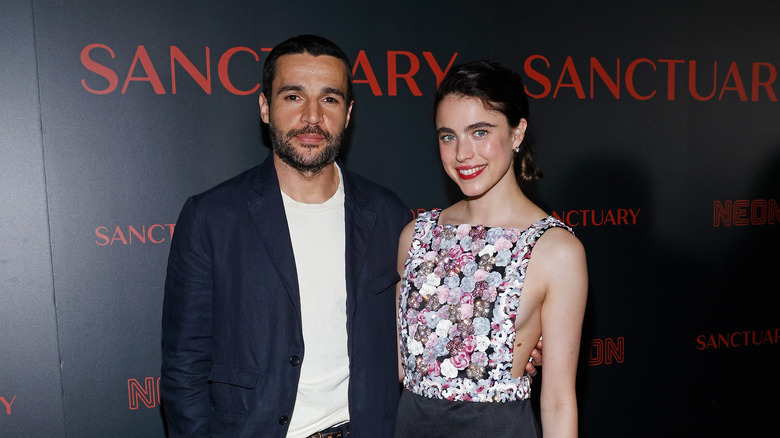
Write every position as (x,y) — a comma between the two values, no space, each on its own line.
(517,149)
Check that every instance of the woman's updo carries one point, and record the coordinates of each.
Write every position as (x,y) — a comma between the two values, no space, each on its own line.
(500,89)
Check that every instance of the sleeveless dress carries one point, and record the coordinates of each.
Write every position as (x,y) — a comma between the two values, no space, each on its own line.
(457,306)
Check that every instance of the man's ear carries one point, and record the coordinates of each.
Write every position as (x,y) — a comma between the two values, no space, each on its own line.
(264,113)
(349,113)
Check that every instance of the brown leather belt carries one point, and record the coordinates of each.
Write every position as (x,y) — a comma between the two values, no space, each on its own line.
(340,431)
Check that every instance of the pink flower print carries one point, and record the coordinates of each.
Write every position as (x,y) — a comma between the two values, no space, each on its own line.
(480,275)
(442,293)
(469,344)
(490,294)
(465,259)
(434,368)
(466,306)
(502,244)
(460,360)
(462,231)
(431,341)
(466,311)
(421,316)
(444,312)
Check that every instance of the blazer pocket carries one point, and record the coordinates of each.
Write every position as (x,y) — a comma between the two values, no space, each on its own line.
(384,280)
(231,388)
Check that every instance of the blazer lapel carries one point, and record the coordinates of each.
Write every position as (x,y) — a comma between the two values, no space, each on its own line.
(359,222)
(267,212)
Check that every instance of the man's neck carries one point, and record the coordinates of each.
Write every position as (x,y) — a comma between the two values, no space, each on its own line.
(309,188)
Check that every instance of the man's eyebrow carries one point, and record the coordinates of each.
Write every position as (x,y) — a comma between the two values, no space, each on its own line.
(325,90)
(285,88)
(332,90)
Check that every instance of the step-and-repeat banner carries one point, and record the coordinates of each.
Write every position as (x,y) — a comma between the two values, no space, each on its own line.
(657,125)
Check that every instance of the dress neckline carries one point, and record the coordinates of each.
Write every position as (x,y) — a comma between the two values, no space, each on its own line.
(435,214)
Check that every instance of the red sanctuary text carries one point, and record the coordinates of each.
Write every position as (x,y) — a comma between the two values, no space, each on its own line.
(597,218)
(102,61)
(743,212)
(745,338)
(156,233)
(639,79)
(644,79)
(7,403)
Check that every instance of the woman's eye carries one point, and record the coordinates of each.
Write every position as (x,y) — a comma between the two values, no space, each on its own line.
(446,138)
(480,133)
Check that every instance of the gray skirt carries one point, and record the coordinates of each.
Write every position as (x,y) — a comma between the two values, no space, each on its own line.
(420,416)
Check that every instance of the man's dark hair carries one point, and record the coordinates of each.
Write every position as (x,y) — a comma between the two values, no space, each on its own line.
(311,44)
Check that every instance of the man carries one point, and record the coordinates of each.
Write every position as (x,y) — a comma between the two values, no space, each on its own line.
(278,314)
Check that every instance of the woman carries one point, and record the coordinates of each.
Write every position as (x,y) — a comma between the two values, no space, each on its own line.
(472,300)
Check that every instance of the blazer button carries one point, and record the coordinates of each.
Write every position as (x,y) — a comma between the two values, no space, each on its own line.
(283,420)
(295,360)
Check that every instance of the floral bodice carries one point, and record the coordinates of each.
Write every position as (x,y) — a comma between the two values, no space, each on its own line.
(457,308)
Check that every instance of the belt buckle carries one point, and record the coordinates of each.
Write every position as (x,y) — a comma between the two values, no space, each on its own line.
(336,434)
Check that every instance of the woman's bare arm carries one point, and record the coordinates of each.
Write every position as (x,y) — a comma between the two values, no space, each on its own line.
(562,266)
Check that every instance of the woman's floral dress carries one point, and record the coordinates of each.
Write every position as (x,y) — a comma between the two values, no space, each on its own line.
(457,306)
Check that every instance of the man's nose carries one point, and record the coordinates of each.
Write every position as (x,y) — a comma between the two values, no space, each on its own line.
(312,113)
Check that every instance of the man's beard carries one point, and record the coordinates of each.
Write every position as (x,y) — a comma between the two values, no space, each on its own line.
(283,147)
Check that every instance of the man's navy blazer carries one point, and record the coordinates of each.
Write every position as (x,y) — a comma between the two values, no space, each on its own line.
(232,338)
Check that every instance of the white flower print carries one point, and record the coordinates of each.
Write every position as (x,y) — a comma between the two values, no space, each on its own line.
(443,327)
(448,369)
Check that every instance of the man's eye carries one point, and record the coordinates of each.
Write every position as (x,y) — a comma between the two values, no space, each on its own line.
(291,97)
(331,100)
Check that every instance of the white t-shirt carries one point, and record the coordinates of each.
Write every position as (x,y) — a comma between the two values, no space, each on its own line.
(318,241)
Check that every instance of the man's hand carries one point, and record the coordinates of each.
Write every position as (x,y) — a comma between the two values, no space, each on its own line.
(535,360)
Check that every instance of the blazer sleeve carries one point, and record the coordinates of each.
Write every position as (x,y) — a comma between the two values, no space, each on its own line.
(186,328)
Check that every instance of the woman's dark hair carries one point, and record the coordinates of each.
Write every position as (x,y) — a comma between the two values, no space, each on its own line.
(313,45)
(500,89)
